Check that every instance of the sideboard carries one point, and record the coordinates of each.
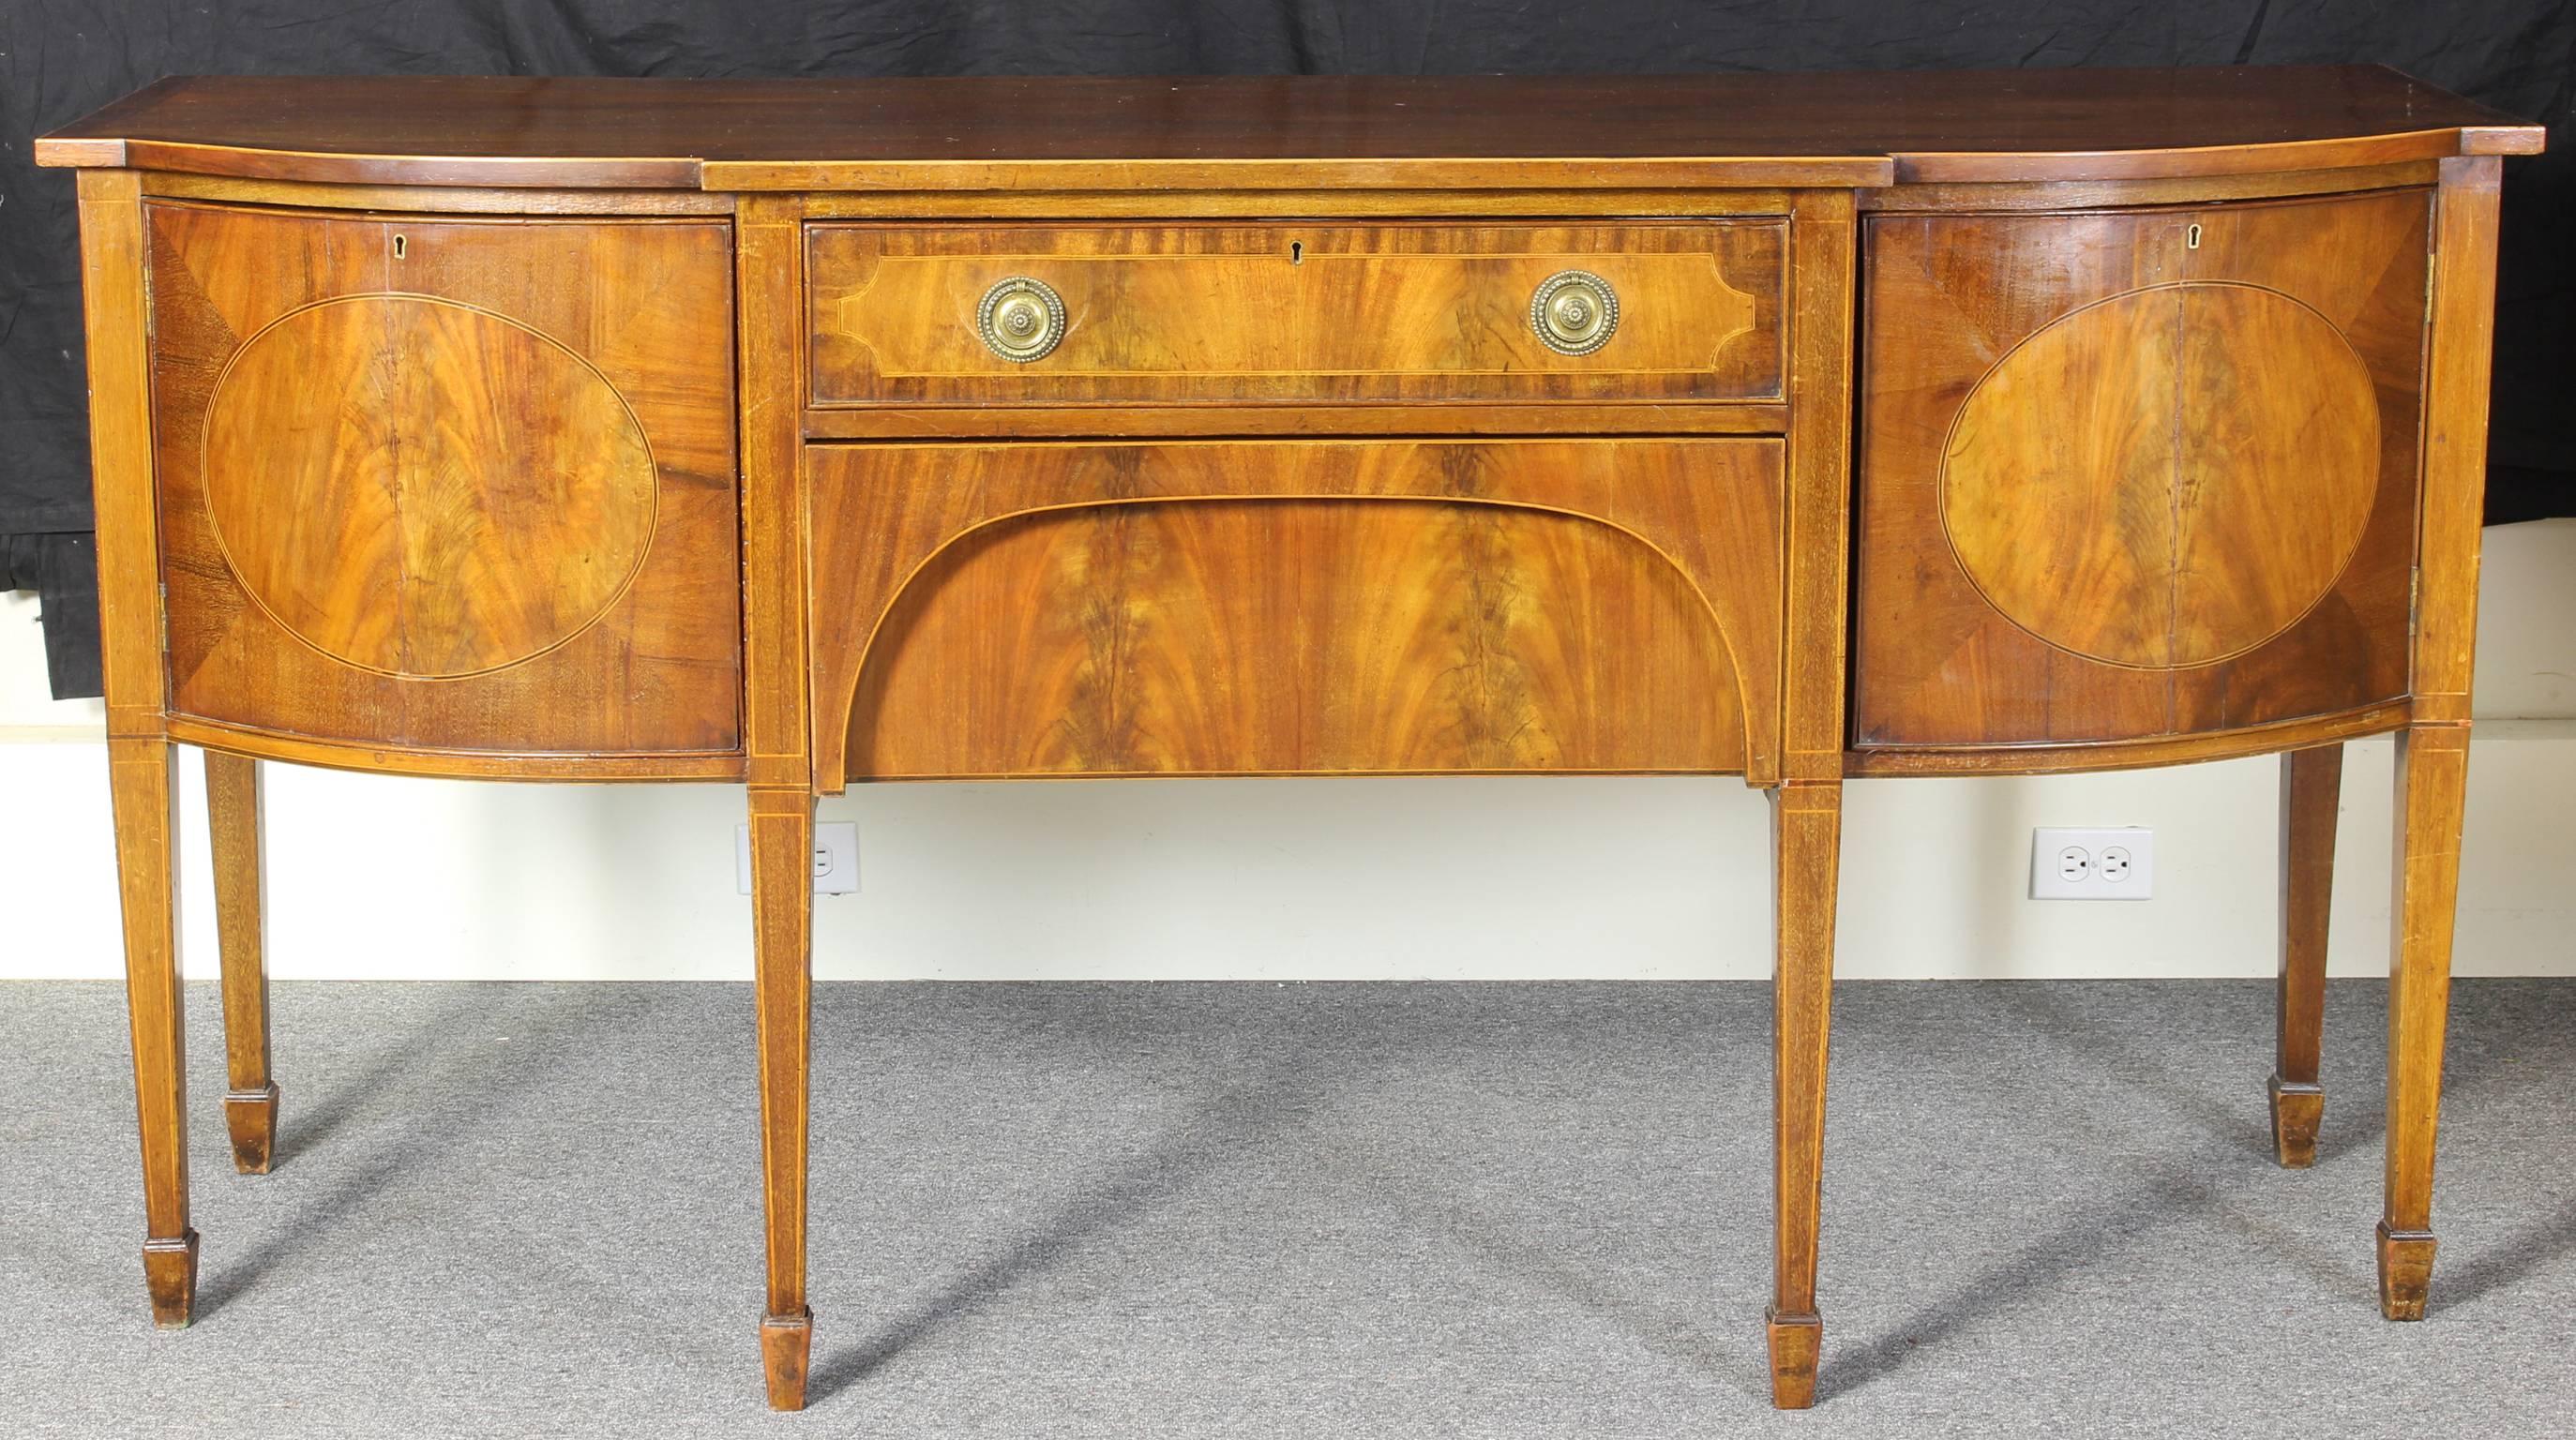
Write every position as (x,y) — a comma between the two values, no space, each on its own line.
(795,433)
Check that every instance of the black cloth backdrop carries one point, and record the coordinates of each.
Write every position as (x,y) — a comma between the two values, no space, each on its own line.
(61,58)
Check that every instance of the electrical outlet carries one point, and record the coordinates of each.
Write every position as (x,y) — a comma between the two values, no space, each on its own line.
(2117,864)
(836,857)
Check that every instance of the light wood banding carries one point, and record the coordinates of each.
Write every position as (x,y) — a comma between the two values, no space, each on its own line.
(1292,312)
(423,488)
(2136,473)
(579,429)
(449,484)
(2167,477)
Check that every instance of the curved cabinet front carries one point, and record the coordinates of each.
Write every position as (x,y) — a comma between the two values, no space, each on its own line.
(444,484)
(2137,474)
(1297,607)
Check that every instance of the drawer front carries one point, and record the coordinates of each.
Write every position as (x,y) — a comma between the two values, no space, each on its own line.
(445,484)
(2131,474)
(1282,312)
(1296,607)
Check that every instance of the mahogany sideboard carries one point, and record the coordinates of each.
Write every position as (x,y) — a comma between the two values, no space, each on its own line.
(794,433)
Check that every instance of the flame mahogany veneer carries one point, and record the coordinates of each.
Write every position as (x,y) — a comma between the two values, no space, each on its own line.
(794,433)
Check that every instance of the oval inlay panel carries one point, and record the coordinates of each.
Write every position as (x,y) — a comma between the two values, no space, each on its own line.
(423,488)
(2165,478)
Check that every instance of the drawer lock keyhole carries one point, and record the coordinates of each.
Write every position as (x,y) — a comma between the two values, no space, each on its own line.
(2191,238)
(401,247)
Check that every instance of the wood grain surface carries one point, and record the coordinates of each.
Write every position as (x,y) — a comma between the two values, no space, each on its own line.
(1119,422)
(2139,754)
(1816,585)
(1015,132)
(465,485)
(2462,355)
(235,841)
(769,284)
(2430,803)
(424,488)
(117,331)
(1806,850)
(2311,801)
(142,789)
(448,424)
(1260,607)
(1806,808)
(2165,478)
(2431,798)
(2137,473)
(1275,636)
(1242,314)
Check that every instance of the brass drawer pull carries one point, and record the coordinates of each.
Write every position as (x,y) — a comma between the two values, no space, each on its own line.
(1575,312)
(1021,319)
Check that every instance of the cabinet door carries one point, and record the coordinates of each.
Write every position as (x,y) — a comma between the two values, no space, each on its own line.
(2129,474)
(449,484)
(1296,607)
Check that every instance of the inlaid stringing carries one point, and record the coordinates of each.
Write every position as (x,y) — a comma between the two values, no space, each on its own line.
(797,433)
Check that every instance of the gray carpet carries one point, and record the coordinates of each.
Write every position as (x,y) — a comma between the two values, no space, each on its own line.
(1256,1210)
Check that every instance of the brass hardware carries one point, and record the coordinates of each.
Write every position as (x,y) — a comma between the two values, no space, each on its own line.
(1021,319)
(400,245)
(2191,238)
(1575,312)
(1296,252)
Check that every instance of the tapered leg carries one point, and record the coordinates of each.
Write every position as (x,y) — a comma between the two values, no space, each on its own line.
(114,309)
(1806,832)
(769,241)
(233,822)
(140,774)
(2311,792)
(782,894)
(2432,793)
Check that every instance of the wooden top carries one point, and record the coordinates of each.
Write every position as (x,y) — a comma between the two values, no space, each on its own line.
(1287,132)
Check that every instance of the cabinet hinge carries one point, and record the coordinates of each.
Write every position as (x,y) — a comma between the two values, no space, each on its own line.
(2414,597)
(2430,273)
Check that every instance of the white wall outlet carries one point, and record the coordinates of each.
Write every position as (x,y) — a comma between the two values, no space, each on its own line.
(2117,864)
(836,857)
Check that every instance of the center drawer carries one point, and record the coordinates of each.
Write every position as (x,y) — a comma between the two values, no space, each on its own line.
(1286,312)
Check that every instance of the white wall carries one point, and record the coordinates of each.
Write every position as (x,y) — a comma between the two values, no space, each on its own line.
(1311,879)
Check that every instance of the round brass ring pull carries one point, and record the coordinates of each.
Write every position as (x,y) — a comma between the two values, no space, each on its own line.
(1575,312)
(1021,319)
